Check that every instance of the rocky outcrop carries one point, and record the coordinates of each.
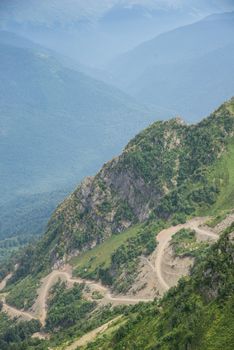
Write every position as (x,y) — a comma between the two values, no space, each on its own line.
(162,172)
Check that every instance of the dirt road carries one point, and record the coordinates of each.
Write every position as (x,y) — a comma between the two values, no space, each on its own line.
(13,312)
(40,307)
(163,238)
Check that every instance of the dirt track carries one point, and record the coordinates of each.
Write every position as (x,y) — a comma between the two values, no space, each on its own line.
(65,275)
(39,310)
(13,312)
(164,238)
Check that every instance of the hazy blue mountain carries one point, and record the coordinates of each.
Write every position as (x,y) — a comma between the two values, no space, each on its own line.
(56,124)
(27,215)
(191,87)
(95,31)
(189,69)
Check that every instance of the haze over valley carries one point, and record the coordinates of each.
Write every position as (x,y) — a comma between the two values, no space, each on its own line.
(116,174)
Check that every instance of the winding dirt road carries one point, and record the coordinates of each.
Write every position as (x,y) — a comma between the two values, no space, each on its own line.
(39,310)
(40,307)
(13,312)
(164,238)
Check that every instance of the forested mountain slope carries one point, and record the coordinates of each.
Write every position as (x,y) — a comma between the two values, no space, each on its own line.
(116,220)
(169,171)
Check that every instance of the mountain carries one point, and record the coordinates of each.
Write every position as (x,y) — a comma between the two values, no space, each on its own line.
(79,28)
(55,120)
(57,125)
(184,70)
(23,214)
(136,223)
(129,190)
(169,173)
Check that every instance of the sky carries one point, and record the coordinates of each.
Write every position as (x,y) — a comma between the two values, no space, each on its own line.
(70,10)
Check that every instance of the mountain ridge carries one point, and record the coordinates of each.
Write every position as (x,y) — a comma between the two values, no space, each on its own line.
(175,69)
(128,190)
(125,228)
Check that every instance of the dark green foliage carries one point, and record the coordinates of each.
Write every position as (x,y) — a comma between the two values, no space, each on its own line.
(89,322)
(152,154)
(67,306)
(124,212)
(17,335)
(23,294)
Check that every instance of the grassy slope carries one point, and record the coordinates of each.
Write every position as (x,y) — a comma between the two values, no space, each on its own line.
(90,260)
(225,170)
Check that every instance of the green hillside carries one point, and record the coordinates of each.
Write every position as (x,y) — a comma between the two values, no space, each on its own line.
(196,315)
(167,174)
(130,189)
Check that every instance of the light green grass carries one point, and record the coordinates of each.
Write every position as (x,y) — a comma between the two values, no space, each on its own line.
(88,262)
(231,108)
(214,221)
(222,174)
(224,170)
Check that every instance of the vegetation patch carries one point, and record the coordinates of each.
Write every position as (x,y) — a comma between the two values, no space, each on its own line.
(90,321)
(223,175)
(184,243)
(23,294)
(115,261)
(125,260)
(215,220)
(16,335)
(66,306)
(87,264)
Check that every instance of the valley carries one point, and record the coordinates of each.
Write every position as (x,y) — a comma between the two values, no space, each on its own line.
(133,245)
(108,262)
(116,193)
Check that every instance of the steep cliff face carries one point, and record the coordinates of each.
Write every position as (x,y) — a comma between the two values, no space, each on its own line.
(163,170)
(126,190)
(169,171)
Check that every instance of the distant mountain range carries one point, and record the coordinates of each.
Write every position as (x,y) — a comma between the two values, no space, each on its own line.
(57,125)
(62,119)
(188,70)
(93,32)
